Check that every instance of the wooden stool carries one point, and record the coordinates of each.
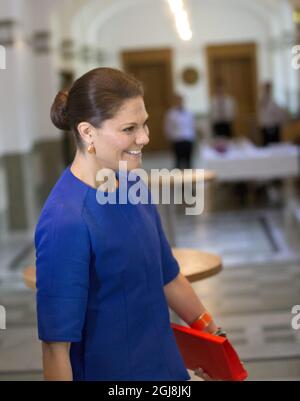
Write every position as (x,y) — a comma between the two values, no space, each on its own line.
(194,265)
(29,277)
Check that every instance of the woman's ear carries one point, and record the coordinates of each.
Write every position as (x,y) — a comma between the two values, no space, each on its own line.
(86,131)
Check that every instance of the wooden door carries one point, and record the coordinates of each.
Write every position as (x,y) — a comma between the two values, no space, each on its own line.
(153,68)
(236,66)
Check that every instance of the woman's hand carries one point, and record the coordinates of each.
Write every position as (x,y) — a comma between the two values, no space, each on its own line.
(200,373)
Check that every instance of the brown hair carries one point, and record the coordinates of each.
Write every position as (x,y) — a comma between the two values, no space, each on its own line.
(95,97)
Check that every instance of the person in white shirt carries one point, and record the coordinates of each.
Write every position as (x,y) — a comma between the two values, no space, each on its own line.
(180,130)
(223,111)
(271,117)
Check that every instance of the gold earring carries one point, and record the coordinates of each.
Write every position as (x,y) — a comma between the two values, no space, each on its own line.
(91,148)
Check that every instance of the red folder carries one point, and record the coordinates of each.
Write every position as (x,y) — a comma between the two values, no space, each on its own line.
(214,354)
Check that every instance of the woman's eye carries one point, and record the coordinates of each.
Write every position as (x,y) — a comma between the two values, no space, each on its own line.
(129,129)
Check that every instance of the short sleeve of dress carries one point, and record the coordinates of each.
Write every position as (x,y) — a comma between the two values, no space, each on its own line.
(63,252)
(170,267)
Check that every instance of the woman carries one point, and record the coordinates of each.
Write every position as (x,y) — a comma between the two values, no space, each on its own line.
(105,273)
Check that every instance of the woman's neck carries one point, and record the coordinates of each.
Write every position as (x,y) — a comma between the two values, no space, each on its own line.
(85,167)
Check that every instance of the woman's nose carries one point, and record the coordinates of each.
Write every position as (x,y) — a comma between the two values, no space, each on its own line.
(142,137)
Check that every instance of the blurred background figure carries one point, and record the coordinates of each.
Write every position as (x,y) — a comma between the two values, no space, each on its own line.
(180,130)
(223,111)
(271,116)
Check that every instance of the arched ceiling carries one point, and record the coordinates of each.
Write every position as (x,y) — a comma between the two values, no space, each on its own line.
(82,19)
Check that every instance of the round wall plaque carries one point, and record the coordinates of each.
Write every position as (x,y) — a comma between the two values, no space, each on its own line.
(190,75)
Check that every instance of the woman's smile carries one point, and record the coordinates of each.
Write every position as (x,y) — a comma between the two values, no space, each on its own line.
(134,153)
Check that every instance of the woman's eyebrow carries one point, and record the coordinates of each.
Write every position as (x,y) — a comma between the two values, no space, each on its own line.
(135,123)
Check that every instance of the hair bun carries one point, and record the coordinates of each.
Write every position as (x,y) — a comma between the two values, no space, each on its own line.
(59,112)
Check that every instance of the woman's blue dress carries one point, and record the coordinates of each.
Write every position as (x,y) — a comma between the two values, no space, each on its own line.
(101,270)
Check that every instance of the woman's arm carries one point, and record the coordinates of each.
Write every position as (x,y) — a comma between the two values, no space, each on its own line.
(56,361)
(183,300)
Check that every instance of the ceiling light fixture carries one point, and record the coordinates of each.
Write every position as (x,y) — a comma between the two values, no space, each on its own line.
(181,19)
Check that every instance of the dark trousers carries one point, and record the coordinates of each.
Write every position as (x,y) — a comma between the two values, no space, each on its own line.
(223,129)
(183,154)
(271,135)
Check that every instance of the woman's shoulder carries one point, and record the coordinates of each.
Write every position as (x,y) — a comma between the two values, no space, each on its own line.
(64,205)
(66,198)
(59,221)
(60,211)
(58,208)
(69,189)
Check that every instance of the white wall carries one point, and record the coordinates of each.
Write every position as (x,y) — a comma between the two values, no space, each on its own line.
(30,82)
(16,81)
(3,200)
(132,24)
(46,79)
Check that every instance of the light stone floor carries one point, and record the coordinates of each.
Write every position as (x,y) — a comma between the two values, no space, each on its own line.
(251,298)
